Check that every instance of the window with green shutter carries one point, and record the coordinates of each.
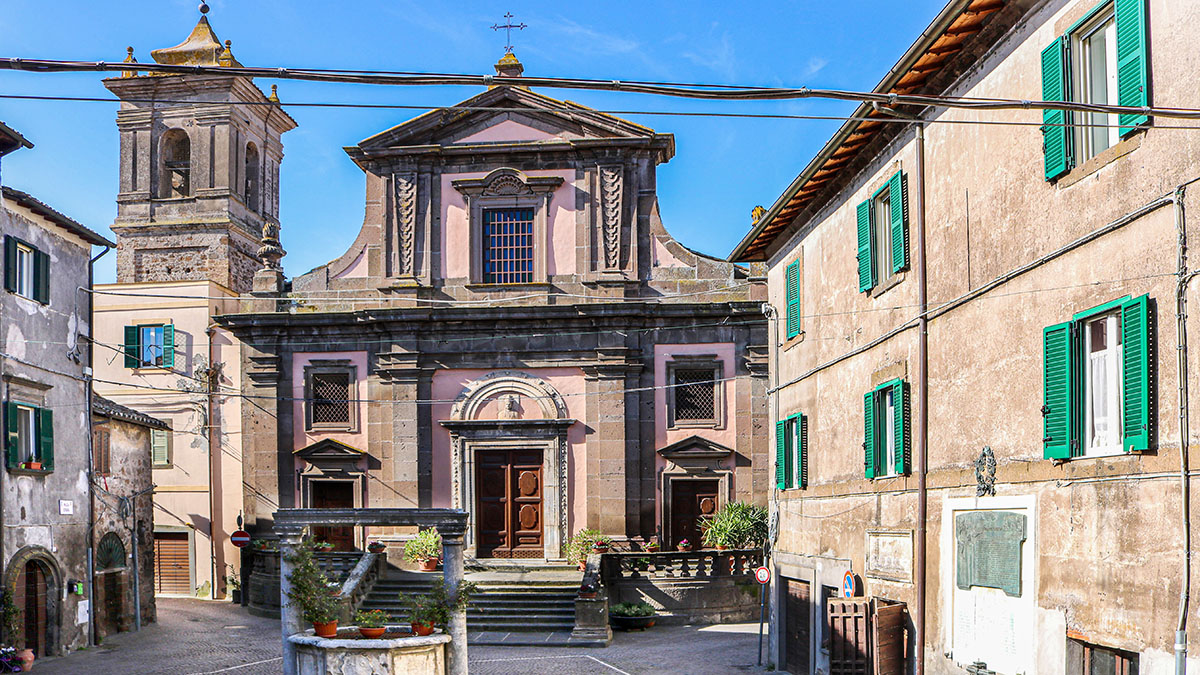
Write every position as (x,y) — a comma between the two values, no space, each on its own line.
(160,447)
(1102,59)
(29,436)
(26,270)
(1097,382)
(886,430)
(792,292)
(882,227)
(150,346)
(791,452)
(781,455)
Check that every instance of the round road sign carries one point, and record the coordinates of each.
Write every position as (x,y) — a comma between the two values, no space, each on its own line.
(239,538)
(850,587)
(762,575)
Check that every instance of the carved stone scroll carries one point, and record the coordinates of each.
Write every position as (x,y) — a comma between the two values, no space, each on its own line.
(612,186)
(406,221)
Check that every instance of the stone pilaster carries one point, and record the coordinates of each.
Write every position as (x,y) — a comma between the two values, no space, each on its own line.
(263,432)
(395,428)
(611,449)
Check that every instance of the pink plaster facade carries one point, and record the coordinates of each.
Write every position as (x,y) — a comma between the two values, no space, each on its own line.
(356,269)
(506,132)
(303,437)
(560,225)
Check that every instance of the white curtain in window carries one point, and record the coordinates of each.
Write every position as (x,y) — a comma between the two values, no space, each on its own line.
(1100,364)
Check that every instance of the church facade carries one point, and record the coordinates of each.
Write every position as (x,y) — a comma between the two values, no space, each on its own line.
(513,333)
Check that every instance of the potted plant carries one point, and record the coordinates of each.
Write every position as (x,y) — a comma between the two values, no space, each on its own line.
(651,545)
(631,615)
(580,545)
(310,592)
(601,544)
(234,583)
(735,525)
(32,465)
(322,547)
(371,623)
(424,549)
(376,547)
(588,590)
(434,608)
(10,660)
(10,620)
(683,545)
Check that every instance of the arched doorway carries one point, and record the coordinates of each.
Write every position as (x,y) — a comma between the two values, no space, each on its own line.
(110,587)
(35,583)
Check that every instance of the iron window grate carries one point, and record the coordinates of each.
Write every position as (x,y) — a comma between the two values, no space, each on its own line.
(330,398)
(695,394)
(507,246)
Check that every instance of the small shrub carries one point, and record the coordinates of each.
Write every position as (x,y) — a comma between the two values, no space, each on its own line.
(438,604)
(426,545)
(736,525)
(310,587)
(581,544)
(374,618)
(632,609)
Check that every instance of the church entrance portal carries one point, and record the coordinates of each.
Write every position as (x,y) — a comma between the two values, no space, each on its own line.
(509,505)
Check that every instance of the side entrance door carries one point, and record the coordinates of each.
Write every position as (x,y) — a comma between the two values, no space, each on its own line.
(172,567)
(334,494)
(508,507)
(691,500)
(797,614)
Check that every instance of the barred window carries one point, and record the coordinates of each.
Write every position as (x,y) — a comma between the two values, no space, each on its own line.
(695,394)
(507,246)
(329,398)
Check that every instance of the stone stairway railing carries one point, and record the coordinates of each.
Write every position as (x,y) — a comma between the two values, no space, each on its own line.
(707,586)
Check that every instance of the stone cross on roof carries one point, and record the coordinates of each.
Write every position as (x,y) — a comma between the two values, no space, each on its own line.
(508,31)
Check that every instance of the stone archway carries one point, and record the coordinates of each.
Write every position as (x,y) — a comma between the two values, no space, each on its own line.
(34,579)
(512,412)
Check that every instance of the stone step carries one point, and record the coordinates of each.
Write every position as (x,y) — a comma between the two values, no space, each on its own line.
(483,608)
(526,626)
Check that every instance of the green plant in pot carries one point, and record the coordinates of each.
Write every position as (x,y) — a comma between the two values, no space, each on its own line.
(10,620)
(579,545)
(433,609)
(735,525)
(424,549)
(632,615)
(310,592)
(371,623)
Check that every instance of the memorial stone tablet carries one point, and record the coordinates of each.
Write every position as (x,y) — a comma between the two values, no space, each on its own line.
(989,550)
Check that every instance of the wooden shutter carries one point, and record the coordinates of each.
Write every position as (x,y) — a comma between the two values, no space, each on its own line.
(801,451)
(1135,396)
(160,449)
(132,358)
(793,298)
(45,433)
(866,251)
(1058,409)
(1132,61)
(781,455)
(900,428)
(869,442)
(168,359)
(41,277)
(1056,136)
(898,198)
(10,264)
(12,440)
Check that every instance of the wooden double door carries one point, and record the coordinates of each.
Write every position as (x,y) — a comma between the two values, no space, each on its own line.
(333,494)
(691,500)
(508,504)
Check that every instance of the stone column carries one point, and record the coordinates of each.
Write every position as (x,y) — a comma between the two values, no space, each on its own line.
(452,572)
(607,445)
(290,536)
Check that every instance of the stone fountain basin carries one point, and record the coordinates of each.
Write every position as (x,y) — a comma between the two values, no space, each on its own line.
(395,652)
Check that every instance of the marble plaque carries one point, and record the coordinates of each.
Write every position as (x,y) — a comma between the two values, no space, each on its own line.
(988,550)
(890,555)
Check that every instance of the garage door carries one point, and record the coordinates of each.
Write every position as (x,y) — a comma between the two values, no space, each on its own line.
(172,573)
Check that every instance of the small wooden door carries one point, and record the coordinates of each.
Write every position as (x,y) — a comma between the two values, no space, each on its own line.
(508,513)
(172,571)
(32,586)
(334,494)
(797,621)
(691,500)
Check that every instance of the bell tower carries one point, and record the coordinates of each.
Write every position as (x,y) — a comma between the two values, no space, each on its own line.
(199,174)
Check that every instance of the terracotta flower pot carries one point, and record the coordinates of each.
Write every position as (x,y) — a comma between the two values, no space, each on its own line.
(720,547)
(429,564)
(35,466)
(423,628)
(587,596)
(325,630)
(582,565)
(684,547)
(373,633)
(600,548)
(27,659)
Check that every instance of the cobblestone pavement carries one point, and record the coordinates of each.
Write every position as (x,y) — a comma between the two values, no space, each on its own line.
(191,637)
(695,650)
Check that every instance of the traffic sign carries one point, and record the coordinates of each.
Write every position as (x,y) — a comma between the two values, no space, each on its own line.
(240,538)
(762,575)
(850,586)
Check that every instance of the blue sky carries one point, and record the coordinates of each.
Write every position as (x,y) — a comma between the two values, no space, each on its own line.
(722,167)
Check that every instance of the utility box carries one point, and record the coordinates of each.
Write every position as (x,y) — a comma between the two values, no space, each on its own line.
(867,636)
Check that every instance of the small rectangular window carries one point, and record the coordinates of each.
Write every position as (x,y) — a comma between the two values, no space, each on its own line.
(160,447)
(695,394)
(881,225)
(101,459)
(1094,76)
(329,400)
(508,246)
(27,441)
(150,345)
(1102,386)
(887,441)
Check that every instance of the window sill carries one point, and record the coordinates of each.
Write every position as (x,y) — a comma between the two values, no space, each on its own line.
(695,424)
(162,466)
(1097,162)
(332,430)
(17,471)
(480,286)
(886,285)
(793,341)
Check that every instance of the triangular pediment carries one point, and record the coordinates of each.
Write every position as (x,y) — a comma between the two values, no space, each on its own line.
(525,113)
(327,449)
(696,448)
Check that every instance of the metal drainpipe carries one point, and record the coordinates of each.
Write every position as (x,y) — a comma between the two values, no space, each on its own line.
(922,435)
(770,312)
(214,447)
(91,470)
(1184,482)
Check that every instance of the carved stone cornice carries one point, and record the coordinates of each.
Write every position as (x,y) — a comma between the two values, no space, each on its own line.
(757,360)
(263,370)
(506,182)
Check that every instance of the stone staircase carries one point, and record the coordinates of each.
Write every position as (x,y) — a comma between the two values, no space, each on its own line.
(504,603)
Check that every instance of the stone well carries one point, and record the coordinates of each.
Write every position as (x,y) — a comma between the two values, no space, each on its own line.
(348,654)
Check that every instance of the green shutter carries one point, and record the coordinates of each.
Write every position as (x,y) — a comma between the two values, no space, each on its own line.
(41,277)
(10,264)
(802,451)
(869,443)
(1056,136)
(168,359)
(1058,396)
(898,198)
(1135,346)
(12,442)
(1133,63)
(160,452)
(866,251)
(132,358)
(45,434)
(901,427)
(780,455)
(793,299)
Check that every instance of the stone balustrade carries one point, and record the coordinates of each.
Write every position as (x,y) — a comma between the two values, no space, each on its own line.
(706,586)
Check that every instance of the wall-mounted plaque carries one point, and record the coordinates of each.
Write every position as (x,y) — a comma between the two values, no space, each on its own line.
(988,548)
(890,555)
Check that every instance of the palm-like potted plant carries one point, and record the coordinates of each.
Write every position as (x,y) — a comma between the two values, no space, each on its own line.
(434,608)
(371,623)
(735,525)
(424,549)
(310,592)
(632,615)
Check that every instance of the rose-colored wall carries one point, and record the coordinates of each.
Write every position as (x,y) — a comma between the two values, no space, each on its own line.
(662,435)
(304,438)
(356,269)
(507,130)
(568,382)
(560,226)
(663,257)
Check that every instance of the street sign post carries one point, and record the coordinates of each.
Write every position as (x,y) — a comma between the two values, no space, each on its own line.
(762,575)
(850,586)
(240,538)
